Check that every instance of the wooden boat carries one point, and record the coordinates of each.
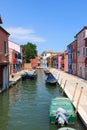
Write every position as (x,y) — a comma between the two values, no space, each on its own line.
(29,75)
(46,71)
(66,112)
(51,79)
(24,76)
(66,128)
(32,75)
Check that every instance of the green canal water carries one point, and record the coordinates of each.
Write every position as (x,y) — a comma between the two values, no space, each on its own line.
(25,106)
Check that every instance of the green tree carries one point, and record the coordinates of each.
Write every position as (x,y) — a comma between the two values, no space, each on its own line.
(30,51)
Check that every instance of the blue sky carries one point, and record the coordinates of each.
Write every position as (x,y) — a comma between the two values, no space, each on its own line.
(50,24)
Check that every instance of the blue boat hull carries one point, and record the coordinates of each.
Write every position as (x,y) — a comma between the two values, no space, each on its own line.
(51,79)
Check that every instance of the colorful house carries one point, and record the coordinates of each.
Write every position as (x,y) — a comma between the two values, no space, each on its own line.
(34,63)
(69,49)
(81,38)
(74,57)
(61,61)
(15,57)
(65,61)
(46,55)
(4,59)
(55,61)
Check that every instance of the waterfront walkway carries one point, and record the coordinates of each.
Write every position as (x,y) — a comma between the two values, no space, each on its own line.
(16,76)
(76,89)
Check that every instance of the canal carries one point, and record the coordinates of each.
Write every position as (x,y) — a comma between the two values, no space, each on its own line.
(25,106)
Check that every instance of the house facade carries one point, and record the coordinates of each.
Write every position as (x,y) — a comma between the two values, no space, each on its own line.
(55,61)
(46,55)
(34,63)
(69,50)
(15,57)
(61,61)
(4,59)
(65,61)
(74,57)
(81,38)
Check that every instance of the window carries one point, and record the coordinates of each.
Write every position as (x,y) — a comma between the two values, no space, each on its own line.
(74,55)
(83,51)
(83,34)
(70,56)
(19,56)
(86,51)
(15,55)
(5,47)
(74,67)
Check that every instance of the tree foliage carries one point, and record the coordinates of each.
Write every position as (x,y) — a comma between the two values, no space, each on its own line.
(30,51)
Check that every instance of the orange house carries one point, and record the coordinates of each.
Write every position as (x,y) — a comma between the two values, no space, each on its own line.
(66,61)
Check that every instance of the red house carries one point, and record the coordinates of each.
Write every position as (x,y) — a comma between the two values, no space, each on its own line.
(81,39)
(4,59)
(34,63)
(74,57)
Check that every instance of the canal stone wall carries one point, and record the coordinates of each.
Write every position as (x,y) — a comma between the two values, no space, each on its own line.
(76,90)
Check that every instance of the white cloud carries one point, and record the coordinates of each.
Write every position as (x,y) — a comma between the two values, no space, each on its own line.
(24,35)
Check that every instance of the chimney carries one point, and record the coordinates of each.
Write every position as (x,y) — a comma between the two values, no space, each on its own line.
(1,20)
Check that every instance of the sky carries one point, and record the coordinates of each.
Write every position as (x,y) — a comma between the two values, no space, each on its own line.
(50,24)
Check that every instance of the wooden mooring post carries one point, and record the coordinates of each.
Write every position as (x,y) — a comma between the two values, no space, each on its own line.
(61,81)
(61,84)
(64,86)
(79,99)
(58,76)
(74,92)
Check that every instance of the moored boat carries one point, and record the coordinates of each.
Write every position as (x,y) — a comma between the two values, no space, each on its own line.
(32,75)
(29,75)
(24,76)
(51,79)
(66,128)
(46,71)
(62,111)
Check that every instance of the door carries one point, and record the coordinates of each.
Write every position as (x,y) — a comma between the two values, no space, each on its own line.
(5,77)
(80,71)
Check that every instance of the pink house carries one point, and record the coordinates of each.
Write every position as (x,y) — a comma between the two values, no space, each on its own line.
(81,38)
(61,61)
(15,57)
